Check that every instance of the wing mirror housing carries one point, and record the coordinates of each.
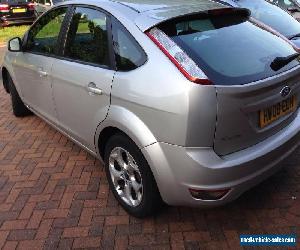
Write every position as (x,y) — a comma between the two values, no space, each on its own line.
(15,44)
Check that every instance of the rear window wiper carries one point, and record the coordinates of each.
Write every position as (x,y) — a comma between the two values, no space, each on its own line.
(293,36)
(280,62)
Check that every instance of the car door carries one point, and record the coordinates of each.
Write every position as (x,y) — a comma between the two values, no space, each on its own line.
(82,79)
(33,66)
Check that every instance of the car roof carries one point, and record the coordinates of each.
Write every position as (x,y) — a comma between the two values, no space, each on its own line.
(150,5)
(149,13)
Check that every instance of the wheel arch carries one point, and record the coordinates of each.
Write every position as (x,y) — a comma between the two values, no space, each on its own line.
(121,120)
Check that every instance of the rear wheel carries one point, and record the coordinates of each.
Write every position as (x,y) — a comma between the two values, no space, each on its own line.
(19,108)
(130,177)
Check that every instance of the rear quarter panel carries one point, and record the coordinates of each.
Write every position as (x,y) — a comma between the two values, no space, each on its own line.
(173,109)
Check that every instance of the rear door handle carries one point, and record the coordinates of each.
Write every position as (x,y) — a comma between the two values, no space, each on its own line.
(93,89)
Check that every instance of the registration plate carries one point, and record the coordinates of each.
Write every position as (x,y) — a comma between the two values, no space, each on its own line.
(273,113)
(21,10)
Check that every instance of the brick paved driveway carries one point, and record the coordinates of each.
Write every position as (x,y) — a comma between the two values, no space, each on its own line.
(54,195)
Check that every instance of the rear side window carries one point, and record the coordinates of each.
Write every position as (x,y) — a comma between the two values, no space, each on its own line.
(43,36)
(129,54)
(229,48)
(87,39)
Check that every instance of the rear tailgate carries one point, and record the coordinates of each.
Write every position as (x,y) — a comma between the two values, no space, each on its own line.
(249,114)
(256,74)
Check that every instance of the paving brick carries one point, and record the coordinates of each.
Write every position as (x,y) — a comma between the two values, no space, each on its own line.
(45,205)
(117,220)
(44,229)
(86,217)
(17,235)
(35,219)
(39,198)
(108,237)
(14,224)
(31,244)
(27,211)
(6,216)
(13,195)
(74,232)
(121,243)
(95,203)
(65,244)
(88,242)
(10,245)
(66,200)
(3,236)
(56,213)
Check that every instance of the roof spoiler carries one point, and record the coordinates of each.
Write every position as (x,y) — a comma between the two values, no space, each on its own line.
(148,20)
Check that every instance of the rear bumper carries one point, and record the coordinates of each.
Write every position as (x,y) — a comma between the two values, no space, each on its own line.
(16,20)
(177,169)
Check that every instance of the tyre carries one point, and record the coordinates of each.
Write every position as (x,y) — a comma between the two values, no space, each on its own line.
(19,108)
(130,177)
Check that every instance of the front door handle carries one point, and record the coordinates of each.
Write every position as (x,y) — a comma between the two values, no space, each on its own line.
(93,89)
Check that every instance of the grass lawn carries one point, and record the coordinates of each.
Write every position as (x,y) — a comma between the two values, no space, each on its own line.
(12,31)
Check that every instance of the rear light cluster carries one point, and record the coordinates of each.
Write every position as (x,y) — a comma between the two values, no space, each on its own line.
(180,59)
(31,6)
(4,8)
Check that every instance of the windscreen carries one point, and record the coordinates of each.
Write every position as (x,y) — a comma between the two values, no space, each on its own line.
(229,48)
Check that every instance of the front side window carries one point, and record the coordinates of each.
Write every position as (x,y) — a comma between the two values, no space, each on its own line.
(129,54)
(87,39)
(43,37)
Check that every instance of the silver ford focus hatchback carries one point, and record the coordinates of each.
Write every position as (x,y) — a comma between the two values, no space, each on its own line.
(188,103)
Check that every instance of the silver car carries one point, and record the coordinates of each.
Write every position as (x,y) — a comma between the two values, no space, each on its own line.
(188,103)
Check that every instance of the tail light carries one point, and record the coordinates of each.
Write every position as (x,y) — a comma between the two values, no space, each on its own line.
(178,57)
(4,8)
(31,6)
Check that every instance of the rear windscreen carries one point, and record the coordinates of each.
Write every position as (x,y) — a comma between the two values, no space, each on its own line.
(229,48)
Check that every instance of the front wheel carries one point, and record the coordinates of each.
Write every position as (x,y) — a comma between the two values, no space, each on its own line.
(130,177)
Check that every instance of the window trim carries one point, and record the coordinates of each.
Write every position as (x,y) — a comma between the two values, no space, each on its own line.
(60,35)
(111,65)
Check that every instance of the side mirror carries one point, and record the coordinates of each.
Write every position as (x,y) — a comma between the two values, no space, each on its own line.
(15,44)
(293,9)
